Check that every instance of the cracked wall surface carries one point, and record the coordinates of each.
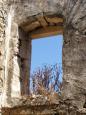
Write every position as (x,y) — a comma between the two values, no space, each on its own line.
(13,13)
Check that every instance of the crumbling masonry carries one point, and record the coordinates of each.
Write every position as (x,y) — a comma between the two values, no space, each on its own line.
(23,20)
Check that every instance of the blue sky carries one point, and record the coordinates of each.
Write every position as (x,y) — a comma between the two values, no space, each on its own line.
(46,50)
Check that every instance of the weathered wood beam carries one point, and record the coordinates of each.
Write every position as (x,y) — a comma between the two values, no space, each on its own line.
(54,20)
(49,31)
(42,21)
(27,21)
(31,26)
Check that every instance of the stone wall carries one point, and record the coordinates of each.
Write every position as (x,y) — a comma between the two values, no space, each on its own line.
(74,57)
(13,57)
(3,15)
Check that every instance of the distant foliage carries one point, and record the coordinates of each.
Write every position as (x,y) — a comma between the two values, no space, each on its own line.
(46,79)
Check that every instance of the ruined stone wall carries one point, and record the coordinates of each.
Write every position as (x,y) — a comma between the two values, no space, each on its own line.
(12,14)
(3,15)
(74,56)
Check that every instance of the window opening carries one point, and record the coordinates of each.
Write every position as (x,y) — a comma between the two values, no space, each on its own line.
(46,65)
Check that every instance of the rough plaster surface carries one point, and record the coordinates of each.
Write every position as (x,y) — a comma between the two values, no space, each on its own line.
(15,12)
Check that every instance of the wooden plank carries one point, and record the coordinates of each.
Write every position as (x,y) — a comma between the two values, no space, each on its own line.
(28,21)
(54,20)
(42,21)
(31,26)
(49,31)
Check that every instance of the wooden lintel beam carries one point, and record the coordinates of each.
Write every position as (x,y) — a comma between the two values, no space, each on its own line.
(31,26)
(54,20)
(49,31)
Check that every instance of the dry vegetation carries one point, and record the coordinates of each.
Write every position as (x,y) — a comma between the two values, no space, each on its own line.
(45,80)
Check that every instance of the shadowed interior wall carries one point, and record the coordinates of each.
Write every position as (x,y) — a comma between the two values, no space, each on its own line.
(24,61)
